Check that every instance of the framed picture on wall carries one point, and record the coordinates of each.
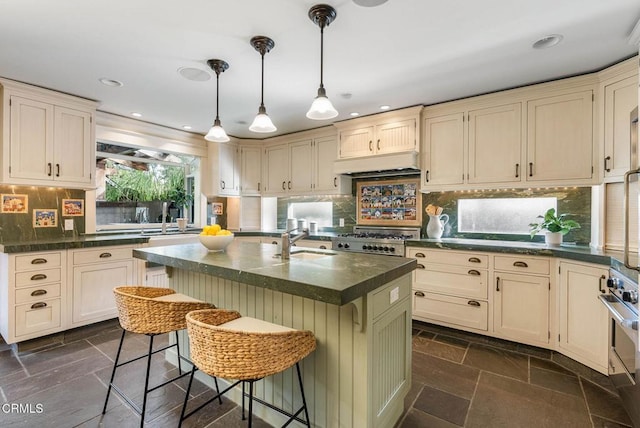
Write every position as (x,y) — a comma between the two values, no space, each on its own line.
(390,202)
(72,207)
(216,208)
(45,218)
(14,204)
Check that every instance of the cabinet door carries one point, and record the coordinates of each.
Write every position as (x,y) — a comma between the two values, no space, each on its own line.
(73,150)
(325,153)
(251,170)
(583,319)
(93,290)
(443,150)
(396,137)
(560,138)
(276,167)
(301,167)
(619,99)
(356,142)
(228,164)
(495,137)
(31,136)
(521,307)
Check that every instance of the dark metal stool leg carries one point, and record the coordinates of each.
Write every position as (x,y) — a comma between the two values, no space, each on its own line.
(250,402)
(215,379)
(178,350)
(186,397)
(304,400)
(113,372)
(146,381)
(243,394)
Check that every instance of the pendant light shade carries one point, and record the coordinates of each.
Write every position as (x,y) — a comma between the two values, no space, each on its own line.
(262,123)
(322,15)
(216,134)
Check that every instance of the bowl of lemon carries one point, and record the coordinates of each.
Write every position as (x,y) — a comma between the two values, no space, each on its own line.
(215,238)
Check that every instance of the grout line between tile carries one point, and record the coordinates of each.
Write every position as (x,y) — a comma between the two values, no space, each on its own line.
(473,396)
(586,402)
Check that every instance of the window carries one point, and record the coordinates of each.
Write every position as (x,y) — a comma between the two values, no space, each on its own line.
(134,182)
(320,212)
(501,215)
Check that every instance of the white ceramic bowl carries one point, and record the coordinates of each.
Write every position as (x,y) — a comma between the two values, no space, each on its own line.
(216,242)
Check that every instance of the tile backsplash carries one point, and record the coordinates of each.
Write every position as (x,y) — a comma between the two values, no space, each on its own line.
(20,226)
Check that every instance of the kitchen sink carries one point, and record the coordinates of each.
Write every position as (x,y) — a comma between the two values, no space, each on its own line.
(310,255)
(172,239)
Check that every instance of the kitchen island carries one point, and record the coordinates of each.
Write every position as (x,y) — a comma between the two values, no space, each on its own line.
(358,306)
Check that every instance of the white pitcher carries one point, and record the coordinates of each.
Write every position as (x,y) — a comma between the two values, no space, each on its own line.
(435,226)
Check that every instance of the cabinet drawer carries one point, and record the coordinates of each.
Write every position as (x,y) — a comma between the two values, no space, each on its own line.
(382,299)
(449,257)
(530,265)
(451,310)
(38,261)
(39,316)
(102,255)
(452,280)
(35,294)
(43,276)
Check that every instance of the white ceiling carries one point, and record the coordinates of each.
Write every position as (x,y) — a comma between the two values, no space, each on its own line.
(402,53)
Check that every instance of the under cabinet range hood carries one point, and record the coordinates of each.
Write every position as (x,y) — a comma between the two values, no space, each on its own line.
(392,164)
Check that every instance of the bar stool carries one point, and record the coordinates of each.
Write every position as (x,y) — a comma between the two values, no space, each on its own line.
(227,345)
(150,311)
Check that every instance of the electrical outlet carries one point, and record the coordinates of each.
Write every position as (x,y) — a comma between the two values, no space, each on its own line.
(68,224)
(394,295)
(341,222)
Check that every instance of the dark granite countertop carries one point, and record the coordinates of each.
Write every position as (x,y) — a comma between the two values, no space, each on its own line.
(83,241)
(336,279)
(320,236)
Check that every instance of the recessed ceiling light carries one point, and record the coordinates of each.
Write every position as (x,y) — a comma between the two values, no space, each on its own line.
(241,122)
(110,82)
(187,127)
(136,114)
(548,41)
(369,3)
(354,113)
(346,95)
(195,74)
(385,107)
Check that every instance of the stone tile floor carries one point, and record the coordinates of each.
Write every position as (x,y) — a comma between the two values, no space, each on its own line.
(459,379)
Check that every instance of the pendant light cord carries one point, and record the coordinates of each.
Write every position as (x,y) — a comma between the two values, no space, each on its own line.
(262,80)
(321,53)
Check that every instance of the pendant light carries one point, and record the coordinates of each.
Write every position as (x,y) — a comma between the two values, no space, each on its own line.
(262,122)
(216,134)
(321,108)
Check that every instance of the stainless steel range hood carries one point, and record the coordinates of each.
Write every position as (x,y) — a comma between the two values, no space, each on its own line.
(392,164)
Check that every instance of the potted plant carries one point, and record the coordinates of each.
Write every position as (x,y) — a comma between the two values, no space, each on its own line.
(556,226)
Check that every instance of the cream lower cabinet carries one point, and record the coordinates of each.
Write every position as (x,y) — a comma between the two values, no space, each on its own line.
(450,288)
(521,292)
(93,274)
(583,320)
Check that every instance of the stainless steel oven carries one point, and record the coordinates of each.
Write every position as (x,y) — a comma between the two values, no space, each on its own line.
(388,241)
(624,355)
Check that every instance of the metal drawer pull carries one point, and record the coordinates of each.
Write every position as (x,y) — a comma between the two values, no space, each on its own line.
(38,277)
(498,284)
(49,169)
(520,264)
(39,305)
(474,260)
(473,303)
(421,255)
(474,272)
(57,170)
(38,292)
(274,242)
(38,261)
(517,170)
(602,278)
(530,169)
(105,255)
(419,294)
(420,266)
(335,181)
(606,167)
(323,247)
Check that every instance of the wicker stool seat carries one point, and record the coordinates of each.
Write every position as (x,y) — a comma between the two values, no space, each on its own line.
(150,311)
(225,344)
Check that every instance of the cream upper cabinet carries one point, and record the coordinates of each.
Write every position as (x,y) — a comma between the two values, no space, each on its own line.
(381,134)
(495,141)
(224,167)
(250,170)
(443,151)
(276,169)
(583,325)
(48,138)
(560,138)
(300,167)
(325,180)
(619,96)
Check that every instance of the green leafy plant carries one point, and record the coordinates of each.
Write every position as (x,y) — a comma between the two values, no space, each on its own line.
(553,223)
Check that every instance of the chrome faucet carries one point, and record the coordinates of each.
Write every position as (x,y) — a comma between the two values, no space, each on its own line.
(164,218)
(288,241)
